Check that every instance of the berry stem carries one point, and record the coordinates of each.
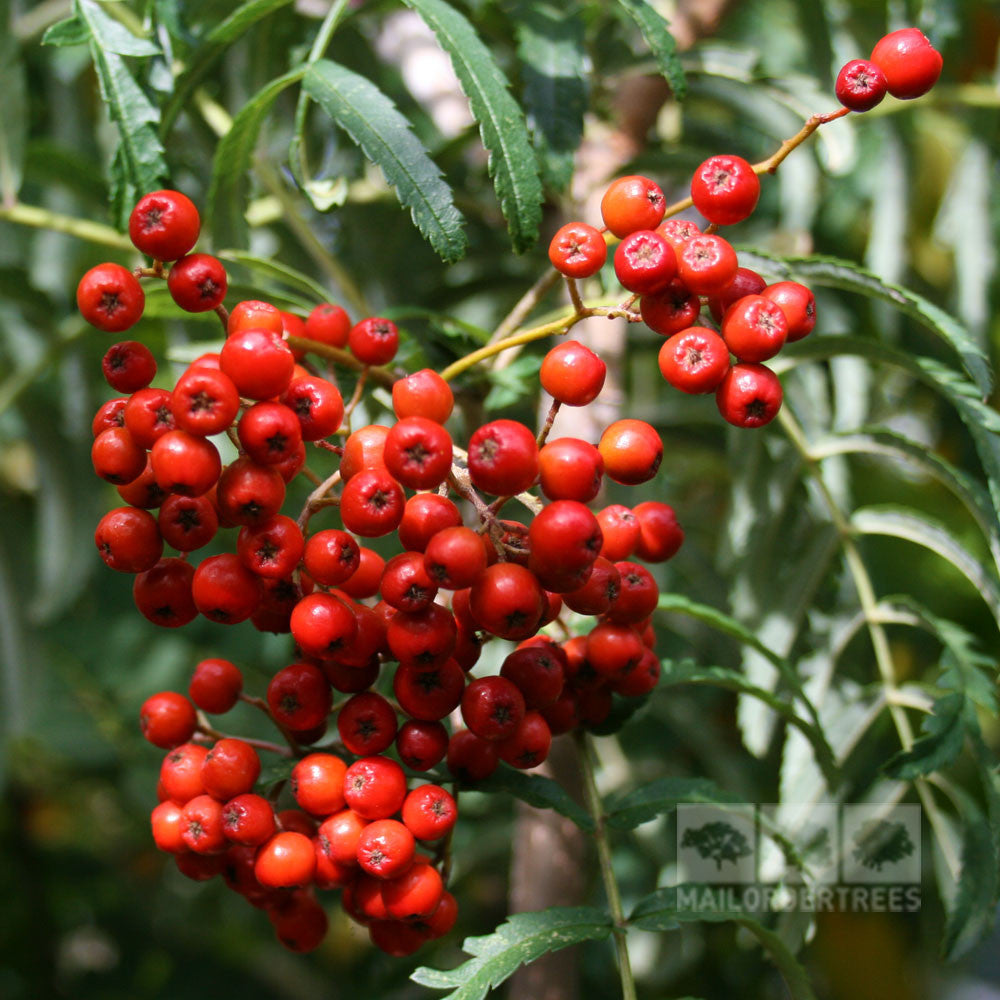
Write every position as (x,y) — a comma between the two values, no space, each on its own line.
(223,313)
(341,357)
(574,295)
(525,305)
(585,751)
(42,218)
(316,499)
(209,733)
(293,744)
(549,421)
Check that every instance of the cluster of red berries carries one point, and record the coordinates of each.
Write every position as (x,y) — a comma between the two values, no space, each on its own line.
(675,269)
(349,611)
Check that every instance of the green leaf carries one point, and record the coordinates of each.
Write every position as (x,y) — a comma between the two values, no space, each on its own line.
(944,736)
(276,271)
(883,442)
(112,35)
(512,382)
(626,812)
(537,791)
(982,422)
(973,911)
(899,522)
(666,908)
(13,122)
(512,163)
(70,31)
(656,31)
(835,273)
(520,940)
(689,672)
(139,165)
(211,47)
(550,45)
(385,137)
(227,191)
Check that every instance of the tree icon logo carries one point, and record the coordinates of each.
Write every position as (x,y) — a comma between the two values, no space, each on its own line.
(717,841)
(880,842)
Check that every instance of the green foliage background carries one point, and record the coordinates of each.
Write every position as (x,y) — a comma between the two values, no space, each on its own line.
(88,908)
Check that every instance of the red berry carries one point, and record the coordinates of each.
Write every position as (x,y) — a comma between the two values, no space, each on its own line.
(323,626)
(128,366)
(249,493)
(503,458)
(745,282)
(117,457)
(317,404)
(694,360)
(109,414)
(287,859)
(677,232)
(375,787)
(613,649)
(363,450)
(421,744)
(492,707)
(164,225)
(749,395)
(364,581)
(185,464)
(224,590)
(725,189)
(167,719)
(425,638)
(860,85)
(317,782)
(198,282)
(148,415)
(180,772)
(371,504)
(110,297)
(508,601)
(910,63)
(385,848)
(215,686)
(415,894)
(406,585)
(259,363)
(128,540)
(367,724)
(632,451)
(230,769)
(429,693)
(754,328)
(454,558)
(201,825)
(272,548)
(471,759)
(572,373)
(598,593)
(253,314)
(671,310)
(578,250)
(529,745)
(632,203)
(204,401)
(166,820)
(798,305)
(537,672)
(645,262)
(707,264)
(660,536)
(418,453)
(163,594)
(423,394)
(269,433)
(299,697)
(429,812)
(565,540)
(331,557)
(620,530)
(329,324)
(374,341)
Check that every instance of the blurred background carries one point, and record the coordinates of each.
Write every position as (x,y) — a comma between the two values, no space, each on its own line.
(88,907)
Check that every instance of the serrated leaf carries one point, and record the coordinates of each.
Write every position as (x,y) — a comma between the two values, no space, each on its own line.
(13,122)
(666,908)
(521,939)
(112,35)
(218,39)
(656,31)
(276,271)
(139,165)
(689,672)
(537,791)
(627,811)
(551,49)
(227,191)
(973,911)
(384,135)
(512,163)
(944,736)
(899,522)
(835,273)
(70,31)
